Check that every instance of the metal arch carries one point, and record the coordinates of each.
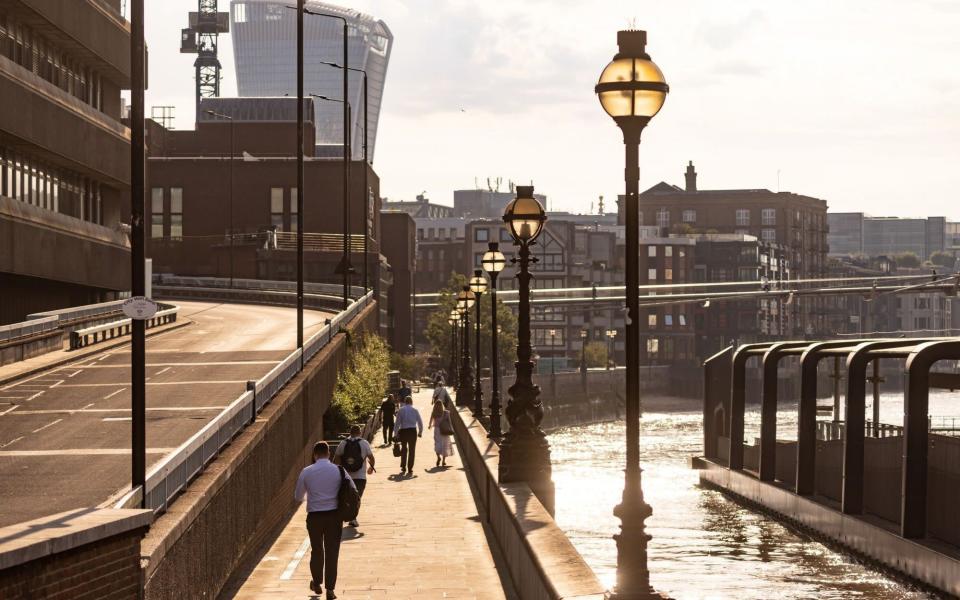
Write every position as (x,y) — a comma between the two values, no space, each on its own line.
(768,408)
(913,498)
(738,393)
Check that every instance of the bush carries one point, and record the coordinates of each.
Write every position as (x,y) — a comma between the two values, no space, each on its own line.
(411,366)
(361,384)
(596,355)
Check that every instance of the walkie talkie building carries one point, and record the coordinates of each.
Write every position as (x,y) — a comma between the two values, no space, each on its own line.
(264,36)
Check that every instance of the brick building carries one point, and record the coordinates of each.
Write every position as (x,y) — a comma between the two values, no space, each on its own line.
(64,154)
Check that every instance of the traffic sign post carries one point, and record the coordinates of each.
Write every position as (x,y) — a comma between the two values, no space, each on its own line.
(139,308)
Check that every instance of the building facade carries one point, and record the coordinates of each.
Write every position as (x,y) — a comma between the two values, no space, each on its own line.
(64,155)
(421,208)
(264,34)
(399,249)
(485,204)
(859,233)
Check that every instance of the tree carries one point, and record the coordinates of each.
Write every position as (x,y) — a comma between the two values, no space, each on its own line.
(907,260)
(411,366)
(943,259)
(439,335)
(596,355)
(361,383)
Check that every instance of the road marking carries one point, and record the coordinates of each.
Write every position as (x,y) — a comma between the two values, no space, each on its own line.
(10,410)
(75,372)
(39,429)
(77,451)
(71,411)
(8,443)
(112,394)
(57,383)
(106,419)
(34,396)
(85,407)
(223,382)
(163,371)
(297,557)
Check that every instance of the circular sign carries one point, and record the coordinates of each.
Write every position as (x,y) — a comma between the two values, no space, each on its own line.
(139,308)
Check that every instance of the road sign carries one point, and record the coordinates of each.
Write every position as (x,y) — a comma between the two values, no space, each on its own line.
(139,308)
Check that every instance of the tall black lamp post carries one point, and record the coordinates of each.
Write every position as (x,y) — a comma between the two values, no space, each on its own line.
(493,262)
(525,452)
(632,90)
(478,285)
(453,320)
(583,350)
(465,301)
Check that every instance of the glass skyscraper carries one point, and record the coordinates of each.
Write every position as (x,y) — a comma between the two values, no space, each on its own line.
(264,34)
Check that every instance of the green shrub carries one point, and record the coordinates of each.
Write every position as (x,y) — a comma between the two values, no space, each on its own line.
(361,384)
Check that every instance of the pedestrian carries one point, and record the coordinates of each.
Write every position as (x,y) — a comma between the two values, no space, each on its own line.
(320,484)
(442,432)
(354,454)
(405,391)
(388,410)
(407,429)
(440,394)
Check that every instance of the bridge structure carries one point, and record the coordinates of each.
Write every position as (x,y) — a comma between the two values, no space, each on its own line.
(888,493)
(232,414)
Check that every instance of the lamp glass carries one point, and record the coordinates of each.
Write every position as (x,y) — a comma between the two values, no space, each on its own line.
(524,217)
(478,284)
(632,102)
(493,261)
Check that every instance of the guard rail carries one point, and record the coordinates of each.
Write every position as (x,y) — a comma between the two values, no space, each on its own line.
(175,472)
(80,314)
(27,329)
(332,289)
(98,333)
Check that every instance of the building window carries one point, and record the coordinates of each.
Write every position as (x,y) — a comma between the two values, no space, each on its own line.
(481,234)
(176,213)
(652,321)
(652,274)
(294,215)
(653,346)
(651,251)
(768,235)
(276,208)
(668,274)
(663,218)
(505,236)
(683,320)
(156,213)
(478,260)
(768,216)
(419,234)
(430,233)
(743,216)
(689,216)
(240,13)
(668,251)
(668,320)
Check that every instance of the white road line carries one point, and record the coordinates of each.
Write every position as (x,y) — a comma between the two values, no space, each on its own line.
(163,371)
(297,557)
(10,410)
(85,407)
(77,451)
(75,372)
(112,394)
(12,397)
(71,411)
(8,443)
(76,385)
(57,383)
(39,429)
(108,419)
(34,396)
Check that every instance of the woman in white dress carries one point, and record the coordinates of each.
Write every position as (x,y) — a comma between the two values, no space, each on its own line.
(442,433)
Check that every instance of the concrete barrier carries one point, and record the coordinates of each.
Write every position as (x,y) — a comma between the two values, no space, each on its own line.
(230,509)
(82,554)
(21,341)
(543,563)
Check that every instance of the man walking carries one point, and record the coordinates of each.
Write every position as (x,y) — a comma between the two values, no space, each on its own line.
(441,394)
(388,410)
(320,485)
(408,428)
(353,454)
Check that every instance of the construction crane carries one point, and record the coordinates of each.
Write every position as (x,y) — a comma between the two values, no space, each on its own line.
(201,39)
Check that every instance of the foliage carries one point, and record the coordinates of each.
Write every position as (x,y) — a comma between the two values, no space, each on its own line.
(907,260)
(361,383)
(683,229)
(411,366)
(943,259)
(440,336)
(596,355)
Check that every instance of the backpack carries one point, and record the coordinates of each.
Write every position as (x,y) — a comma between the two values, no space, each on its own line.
(352,458)
(348,500)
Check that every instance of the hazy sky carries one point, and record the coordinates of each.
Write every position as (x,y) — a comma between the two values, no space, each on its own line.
(856,102)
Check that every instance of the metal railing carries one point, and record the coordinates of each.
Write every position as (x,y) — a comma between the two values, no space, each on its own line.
(834,430)
(332,289)
(79,314)
(175,472)
(98,333)
(28,329)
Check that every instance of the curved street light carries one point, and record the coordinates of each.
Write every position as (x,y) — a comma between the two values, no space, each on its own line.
(493,262)
(453,319)
(632,89)
(478,285)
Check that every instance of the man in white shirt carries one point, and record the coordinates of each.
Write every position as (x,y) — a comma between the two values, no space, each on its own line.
(320,485)
(356,452)
(407,429)
(440,393)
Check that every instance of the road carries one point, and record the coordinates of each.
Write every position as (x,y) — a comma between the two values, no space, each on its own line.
(65,433)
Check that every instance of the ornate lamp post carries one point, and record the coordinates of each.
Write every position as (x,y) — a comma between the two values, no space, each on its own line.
(611,348)
(525,453)
(478,285)
(553,353)
(583,350)
(465,300)
(453,320)
(632,90)
(493,262)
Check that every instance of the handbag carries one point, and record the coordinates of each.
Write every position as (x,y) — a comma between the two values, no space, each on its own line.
(446,427)
(396,449)
(348,499)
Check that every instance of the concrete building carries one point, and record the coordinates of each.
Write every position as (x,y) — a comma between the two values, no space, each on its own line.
(64,155)
(421,208)
(845,237)
(485,204)
(264,34)
(440,252)
(859,233)
(399,249)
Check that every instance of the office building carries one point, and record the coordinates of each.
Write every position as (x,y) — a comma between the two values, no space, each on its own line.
(64,155)
(485,204)
(421,208)
(859,233)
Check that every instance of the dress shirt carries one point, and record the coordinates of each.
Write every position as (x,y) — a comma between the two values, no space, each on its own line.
(408,418)
(320,484)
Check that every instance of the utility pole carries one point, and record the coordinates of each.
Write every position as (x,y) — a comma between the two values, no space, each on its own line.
(138,386)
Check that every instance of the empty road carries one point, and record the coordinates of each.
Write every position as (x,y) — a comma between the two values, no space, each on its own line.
(65,433)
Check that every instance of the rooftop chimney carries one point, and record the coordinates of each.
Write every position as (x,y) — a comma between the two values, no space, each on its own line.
(691,175)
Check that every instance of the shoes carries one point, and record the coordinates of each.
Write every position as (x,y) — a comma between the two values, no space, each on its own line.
(331,595)
(444,463)
(438,461)
(353,523)
(410,473)
(315,587)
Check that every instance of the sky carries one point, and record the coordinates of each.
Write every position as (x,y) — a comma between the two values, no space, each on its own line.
(856,102)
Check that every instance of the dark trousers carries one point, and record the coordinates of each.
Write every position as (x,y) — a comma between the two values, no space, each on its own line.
(325,529)
(387,430)
(361,484)
(408,448)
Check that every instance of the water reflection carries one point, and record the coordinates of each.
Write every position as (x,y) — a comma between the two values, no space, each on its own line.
(704,545)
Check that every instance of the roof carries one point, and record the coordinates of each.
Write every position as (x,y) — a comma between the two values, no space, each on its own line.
(280,108)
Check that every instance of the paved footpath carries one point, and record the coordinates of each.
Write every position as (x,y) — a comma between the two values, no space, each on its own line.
(418,538)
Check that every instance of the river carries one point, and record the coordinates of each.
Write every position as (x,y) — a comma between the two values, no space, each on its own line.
(704,545)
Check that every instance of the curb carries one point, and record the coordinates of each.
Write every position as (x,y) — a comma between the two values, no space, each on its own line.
(97,349)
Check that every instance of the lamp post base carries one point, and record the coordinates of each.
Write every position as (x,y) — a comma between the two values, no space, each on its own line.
(633,576)
(527,459)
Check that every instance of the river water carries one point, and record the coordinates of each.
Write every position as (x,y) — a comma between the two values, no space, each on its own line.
(704,545)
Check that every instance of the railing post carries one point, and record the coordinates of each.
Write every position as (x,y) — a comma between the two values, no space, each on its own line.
(853,462)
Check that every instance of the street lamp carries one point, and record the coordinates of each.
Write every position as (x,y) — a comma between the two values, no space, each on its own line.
(478,285)
(553,353)
(611,347)
(632,90)
(525,453)
(453,319)
(583,351)
(465,301)
(230,228)
(493,262)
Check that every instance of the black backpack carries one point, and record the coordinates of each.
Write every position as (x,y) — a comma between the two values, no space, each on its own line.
(348,500)
(352,458)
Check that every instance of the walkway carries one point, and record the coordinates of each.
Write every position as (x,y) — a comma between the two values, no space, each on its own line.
(418,538)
